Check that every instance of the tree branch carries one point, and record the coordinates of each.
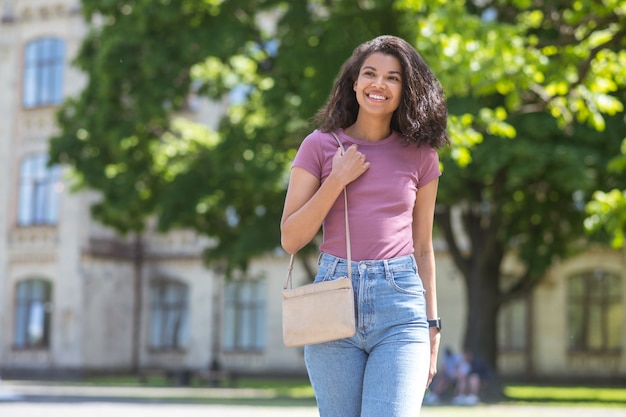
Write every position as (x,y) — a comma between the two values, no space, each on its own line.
(583,69)
(522,286)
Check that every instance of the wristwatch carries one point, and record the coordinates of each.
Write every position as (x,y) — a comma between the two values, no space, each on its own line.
(436,323)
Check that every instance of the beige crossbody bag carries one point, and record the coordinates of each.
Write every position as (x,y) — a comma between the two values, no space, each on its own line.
(319,312)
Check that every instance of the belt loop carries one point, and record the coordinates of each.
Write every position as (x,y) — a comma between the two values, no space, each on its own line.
(333,268)
(387,269)
(319,257)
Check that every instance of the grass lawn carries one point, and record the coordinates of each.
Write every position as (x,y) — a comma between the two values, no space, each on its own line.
(284,387)
(599,396)
(292,388)
(300,389)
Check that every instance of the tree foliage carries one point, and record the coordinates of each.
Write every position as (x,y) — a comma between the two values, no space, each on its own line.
(607,210)
(535,88)
(137,56)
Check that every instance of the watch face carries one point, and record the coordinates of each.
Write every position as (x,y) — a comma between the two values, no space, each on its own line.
(435,323)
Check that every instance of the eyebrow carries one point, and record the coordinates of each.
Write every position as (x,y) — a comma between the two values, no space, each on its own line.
(390,72)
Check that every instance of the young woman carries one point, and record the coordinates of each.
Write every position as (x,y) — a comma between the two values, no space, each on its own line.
(389,112)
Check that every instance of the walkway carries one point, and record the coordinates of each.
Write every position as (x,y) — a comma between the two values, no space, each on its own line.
(28,399)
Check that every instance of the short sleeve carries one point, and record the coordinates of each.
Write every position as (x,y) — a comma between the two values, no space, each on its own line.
(429,167)
(310,156)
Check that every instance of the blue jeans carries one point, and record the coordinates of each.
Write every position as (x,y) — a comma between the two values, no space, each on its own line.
(382,370)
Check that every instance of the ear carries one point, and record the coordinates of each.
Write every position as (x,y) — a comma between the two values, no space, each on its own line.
(354,86)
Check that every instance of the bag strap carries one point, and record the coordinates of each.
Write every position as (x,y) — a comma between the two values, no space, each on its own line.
(345,205)
(348,250)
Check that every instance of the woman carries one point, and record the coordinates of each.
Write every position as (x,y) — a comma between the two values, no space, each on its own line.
(389,112)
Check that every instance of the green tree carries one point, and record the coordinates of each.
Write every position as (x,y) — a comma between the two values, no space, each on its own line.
(525,197)
(549,74)
(138,75)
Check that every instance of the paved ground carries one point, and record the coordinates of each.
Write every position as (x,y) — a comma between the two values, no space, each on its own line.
(27,399)
(97,409)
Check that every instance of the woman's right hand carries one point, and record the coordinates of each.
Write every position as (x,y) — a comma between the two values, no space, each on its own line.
(308,201)
(349,166)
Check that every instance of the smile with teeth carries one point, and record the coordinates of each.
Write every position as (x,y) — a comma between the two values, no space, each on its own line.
(377,97)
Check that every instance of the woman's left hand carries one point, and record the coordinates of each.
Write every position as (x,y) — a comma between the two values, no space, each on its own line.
(435,337)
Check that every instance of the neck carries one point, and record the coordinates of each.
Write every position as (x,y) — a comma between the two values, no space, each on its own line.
(370,130)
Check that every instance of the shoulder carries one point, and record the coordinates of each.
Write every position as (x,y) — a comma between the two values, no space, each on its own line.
(426,153)
(317,137)
(419,150)
(318,141)
(315,151)
(425,160)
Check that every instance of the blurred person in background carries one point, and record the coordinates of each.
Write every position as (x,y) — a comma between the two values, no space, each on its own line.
(447,379)
(473,374)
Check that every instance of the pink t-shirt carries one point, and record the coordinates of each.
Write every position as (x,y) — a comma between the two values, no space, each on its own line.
(380,202)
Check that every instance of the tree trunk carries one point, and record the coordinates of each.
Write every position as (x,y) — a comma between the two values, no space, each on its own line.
(482,311)
(483,301)
(481,269)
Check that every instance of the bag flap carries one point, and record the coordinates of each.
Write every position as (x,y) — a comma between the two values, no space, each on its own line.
(335,284)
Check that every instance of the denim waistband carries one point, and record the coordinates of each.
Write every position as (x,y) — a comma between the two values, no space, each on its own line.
(341,264)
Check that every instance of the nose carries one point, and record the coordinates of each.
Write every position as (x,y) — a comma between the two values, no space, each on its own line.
(379,82)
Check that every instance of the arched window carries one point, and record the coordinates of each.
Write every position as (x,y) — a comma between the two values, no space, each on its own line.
(595,311)
(33,308)
(44,61)
(169,318)
(39,194)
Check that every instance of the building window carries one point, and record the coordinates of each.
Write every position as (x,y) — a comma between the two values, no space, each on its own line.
(169,318)
(595,312)
(39,191)
(33,308)
(43,72)
(512,327)
(244,315)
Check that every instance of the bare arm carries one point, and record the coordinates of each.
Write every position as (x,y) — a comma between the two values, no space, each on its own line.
(423,218)
(308,202)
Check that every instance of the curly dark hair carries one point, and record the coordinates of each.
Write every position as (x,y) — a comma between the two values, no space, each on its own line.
(422,114)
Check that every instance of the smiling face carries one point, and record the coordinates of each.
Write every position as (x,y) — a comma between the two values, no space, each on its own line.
(379,84)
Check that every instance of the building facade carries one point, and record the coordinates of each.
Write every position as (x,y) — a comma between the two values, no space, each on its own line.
(71,289)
